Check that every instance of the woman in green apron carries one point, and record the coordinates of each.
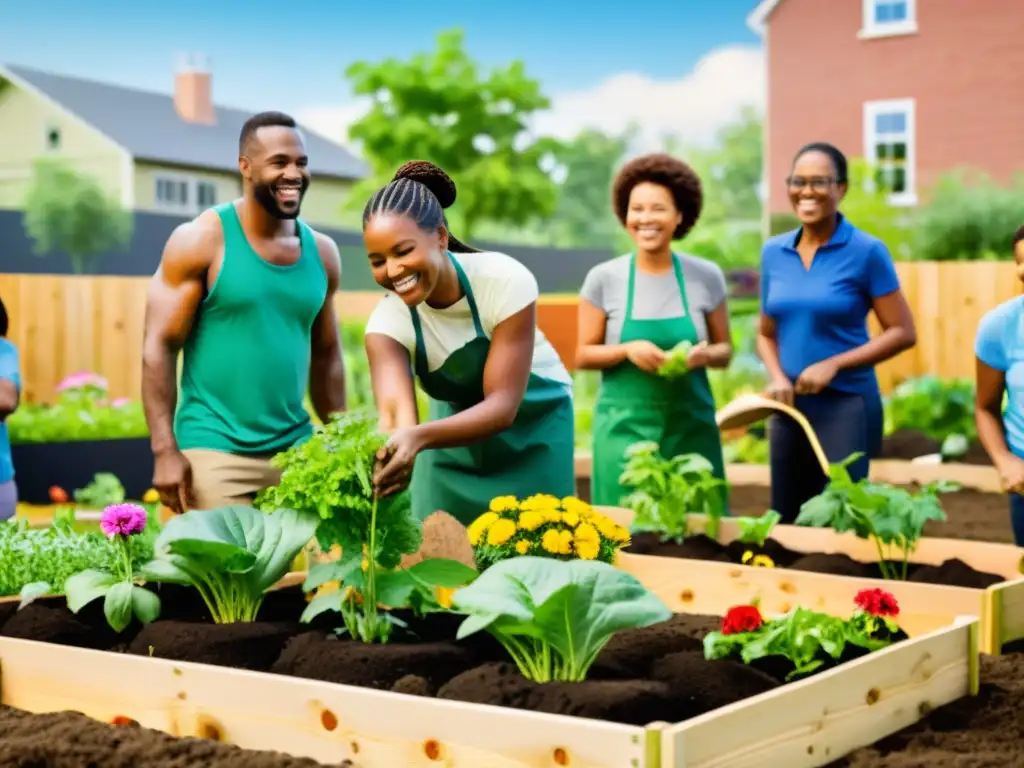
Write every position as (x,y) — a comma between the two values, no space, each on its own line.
(464,323)
(634,309)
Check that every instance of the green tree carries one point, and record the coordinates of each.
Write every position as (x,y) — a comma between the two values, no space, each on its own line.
(67,211)
(439,107)
(867,206)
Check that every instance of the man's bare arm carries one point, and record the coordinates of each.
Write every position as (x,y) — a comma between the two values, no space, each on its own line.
(327,367)
(174,295)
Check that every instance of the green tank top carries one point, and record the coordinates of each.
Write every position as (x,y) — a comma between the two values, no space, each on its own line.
(245,367)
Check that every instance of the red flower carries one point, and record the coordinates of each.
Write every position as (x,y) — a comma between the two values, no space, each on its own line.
(877,602)
(741,618)
(58,495)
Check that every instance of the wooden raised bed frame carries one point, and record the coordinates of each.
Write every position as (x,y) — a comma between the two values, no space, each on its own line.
(684,583)
(803,725)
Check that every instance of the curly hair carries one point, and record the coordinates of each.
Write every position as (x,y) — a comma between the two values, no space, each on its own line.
(666,171)
(421,191)
(1018,236)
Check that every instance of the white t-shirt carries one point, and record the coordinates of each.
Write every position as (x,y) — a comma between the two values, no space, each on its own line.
(501,287)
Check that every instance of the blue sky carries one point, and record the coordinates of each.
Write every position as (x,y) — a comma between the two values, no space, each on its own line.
(291,55)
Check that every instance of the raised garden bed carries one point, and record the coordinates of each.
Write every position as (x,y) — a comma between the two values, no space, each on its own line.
(332,700)
(69,465)
(820,568)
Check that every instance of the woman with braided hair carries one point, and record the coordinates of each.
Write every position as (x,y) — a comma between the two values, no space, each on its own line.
(464,322)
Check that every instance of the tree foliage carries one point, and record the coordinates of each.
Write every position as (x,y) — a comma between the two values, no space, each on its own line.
(67,211)
(440,107)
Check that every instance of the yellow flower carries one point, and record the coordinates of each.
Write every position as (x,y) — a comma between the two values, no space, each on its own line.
(610,530)
(151,496)
(501,532)
(504,504)
(530,520)
(588,541)
(572,504)
(540,502)
(444,596)
(523,546)
(365,565)
(571,518)
(557,542)
(762,561)
(746,556)
(479,527)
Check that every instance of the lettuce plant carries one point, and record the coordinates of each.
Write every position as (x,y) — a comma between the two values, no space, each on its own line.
(231,555)
(553,616)
(676,363)
(756,530)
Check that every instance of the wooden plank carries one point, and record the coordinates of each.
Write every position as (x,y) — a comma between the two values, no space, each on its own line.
(816,721)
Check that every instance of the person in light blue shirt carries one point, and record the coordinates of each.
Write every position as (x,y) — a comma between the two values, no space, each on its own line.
(999,365)
(818,284)
(10,392)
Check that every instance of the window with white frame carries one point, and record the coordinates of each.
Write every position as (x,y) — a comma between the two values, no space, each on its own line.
(883,18)
(889,137)
(184,194)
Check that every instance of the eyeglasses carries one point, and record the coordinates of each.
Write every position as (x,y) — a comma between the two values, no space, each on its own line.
(818,183)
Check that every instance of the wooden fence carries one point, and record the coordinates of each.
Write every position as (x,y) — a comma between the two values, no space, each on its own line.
(64,324)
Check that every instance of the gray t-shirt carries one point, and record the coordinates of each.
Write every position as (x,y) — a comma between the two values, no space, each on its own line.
(655,297)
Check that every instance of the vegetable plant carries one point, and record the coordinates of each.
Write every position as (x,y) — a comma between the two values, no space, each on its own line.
(122,597)
(543,525)
(808,639)
(552,616)
(675,364)
(230,555)
(893,518)
(756,530)
(666,491)
(331,476)
(104,490)
(939,408)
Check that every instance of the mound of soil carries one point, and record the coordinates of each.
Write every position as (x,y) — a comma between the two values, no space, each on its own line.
(908,444)
(72,740)
(254,646)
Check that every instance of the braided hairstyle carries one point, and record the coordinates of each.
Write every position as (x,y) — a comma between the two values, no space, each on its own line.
(421,191)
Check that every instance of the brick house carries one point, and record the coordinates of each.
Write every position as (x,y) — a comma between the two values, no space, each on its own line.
(917,87)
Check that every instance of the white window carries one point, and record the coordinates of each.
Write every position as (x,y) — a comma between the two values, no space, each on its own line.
(889,146)
(184,194)
(886,18)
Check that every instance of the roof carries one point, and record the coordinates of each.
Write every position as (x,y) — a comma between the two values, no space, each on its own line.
(758,18)
(146,124)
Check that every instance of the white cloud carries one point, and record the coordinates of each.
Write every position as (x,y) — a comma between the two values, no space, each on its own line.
(690,108)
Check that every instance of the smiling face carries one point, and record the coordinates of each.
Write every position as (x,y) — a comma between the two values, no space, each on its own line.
(277,168)
(404,258)
(652,216)
(813,189)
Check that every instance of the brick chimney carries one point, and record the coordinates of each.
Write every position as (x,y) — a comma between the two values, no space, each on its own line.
(193,92)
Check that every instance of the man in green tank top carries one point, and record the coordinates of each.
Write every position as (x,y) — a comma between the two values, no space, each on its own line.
(244,292)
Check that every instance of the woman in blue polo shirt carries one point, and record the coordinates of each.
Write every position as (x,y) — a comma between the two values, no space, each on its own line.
(818,284)
(10,387)
(999,349)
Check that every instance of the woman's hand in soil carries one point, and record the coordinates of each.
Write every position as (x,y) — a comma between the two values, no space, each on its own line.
(1011,474)
(816,377)
(781,390)
(393,469)
(645,355)
(172,479)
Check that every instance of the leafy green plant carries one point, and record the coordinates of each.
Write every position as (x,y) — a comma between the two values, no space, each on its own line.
(746,449)
(666,491)
(104,490)
(230,555)
(892,518)
(122,597)
(938,408)
(676,364)
(553,616)
(756,530)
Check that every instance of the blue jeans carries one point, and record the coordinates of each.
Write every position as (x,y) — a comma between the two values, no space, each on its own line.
(8,500)
(845,423)
(1017,518)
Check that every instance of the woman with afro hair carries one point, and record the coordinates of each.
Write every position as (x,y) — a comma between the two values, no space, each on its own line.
(464,323)
(634,309)
(10,388)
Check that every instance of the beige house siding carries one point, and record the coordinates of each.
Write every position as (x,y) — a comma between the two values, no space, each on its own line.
(26,122)
(324,200)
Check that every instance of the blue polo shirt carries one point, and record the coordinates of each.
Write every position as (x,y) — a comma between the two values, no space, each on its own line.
(9,371)
(1000,345)
(822,311)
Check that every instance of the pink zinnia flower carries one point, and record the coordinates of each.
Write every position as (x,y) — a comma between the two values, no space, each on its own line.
(123,520)
(120,402)
(83,379)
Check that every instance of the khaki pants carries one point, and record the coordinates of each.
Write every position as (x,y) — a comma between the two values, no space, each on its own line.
(223,479)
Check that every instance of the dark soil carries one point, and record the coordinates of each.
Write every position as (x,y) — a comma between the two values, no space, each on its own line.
(72,740)
(909,444)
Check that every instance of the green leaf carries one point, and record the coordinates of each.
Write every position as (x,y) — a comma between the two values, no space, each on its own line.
(82,588)
(328,601)
(145,605)
(118,605)
(163,570)
(442,572)
(31,592)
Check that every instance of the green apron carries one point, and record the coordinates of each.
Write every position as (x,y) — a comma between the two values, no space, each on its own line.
(633,405)
(534,455)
